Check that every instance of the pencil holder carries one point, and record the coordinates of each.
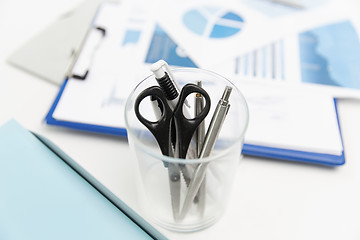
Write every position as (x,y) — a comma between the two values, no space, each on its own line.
(186,191)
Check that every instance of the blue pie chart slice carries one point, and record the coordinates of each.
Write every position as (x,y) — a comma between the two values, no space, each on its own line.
(225,25)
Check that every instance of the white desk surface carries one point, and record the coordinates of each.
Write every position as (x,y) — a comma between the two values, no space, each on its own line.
(270,199)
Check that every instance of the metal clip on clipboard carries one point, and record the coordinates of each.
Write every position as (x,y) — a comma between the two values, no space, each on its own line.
(84,62)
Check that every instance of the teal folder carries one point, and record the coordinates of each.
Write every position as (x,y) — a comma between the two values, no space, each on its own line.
(44,194)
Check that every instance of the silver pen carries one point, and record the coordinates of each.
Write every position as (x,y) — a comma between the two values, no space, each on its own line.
(200,131)
(200,136)
(217,120)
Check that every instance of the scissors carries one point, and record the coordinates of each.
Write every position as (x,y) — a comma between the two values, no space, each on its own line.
(162,131)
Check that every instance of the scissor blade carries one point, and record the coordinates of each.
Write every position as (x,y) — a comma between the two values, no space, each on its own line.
(201,197)
(194,186)
(187,171)
(186,174)
(175,188)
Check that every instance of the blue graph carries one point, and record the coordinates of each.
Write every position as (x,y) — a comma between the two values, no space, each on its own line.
(163,47)
(330,55)
(213,22)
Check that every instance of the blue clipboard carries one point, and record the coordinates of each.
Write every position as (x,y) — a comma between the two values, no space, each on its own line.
(248,149)
(160,39)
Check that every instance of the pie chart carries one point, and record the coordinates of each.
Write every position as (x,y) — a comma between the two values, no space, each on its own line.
(213,22)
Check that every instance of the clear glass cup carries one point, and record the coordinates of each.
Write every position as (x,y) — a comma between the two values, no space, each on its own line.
(220,166)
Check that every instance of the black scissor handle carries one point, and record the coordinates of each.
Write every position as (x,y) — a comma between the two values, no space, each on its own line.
(160,128)
(185,127)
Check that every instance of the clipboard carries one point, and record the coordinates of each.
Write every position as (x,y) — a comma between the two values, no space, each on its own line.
(52,59)
(174,58)
(248,149)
